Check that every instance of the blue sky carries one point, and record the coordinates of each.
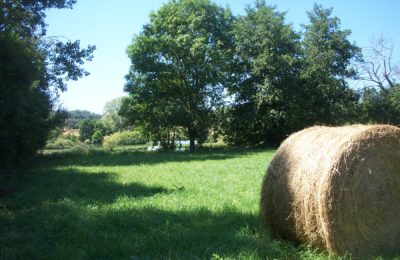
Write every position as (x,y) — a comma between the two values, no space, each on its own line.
(111,25)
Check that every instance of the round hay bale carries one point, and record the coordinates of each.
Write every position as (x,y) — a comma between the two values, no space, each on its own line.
(337,188)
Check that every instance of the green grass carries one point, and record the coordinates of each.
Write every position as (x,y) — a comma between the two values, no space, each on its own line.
(137,205)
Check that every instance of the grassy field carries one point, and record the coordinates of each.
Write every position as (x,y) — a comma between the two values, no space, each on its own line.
(137,205)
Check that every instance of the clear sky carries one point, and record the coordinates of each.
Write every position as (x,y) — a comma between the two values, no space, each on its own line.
(111,25)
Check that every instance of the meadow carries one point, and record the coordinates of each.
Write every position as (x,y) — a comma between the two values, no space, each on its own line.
(126,204)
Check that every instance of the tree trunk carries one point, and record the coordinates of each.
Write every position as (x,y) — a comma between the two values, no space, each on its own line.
(192,147)
(192,139)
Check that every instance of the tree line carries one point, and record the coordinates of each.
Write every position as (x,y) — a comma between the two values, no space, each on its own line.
(74,117)
(252,78)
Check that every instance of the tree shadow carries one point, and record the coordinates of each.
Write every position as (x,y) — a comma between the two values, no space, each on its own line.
(100,188)
(70,214)
(125,158)
(145,233)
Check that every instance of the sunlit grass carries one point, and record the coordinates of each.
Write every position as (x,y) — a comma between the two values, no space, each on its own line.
(138,205)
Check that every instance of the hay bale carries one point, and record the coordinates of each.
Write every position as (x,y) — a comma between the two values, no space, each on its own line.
(337,188)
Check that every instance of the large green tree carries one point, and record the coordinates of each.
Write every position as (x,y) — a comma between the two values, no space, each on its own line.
(178,68)
(264,87)
(285,82)
(33,69)
(327,66)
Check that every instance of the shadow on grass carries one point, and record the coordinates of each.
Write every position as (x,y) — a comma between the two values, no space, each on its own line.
(68,214)
(125,158)
(100,188)
(69,231)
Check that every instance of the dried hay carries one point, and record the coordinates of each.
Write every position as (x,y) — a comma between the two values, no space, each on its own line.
(337,188)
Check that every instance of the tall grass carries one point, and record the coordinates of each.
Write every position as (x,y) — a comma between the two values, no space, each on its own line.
(138,205)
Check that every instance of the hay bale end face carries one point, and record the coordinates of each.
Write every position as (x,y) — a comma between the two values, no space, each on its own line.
(337,188)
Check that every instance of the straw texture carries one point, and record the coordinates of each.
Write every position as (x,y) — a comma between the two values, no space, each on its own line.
(337,188)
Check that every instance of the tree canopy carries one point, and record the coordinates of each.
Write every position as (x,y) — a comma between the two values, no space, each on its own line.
(328,64)
(265,83)
(288,80)
(33,69)
(251,78)
(178,68)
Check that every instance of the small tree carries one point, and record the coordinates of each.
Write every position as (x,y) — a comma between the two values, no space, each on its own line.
(86,129)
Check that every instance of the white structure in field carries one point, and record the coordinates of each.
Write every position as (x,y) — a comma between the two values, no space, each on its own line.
(179,146)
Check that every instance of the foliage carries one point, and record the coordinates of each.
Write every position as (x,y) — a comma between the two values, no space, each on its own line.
(178,68)
(328,58)
(25,108)
(26,18)
(124,138)
(284,83)
(278,81)
(91,128)
(62,141)
(97,137)
(86,129)
(99,126)
(32,70)
(381,105)
(74,117)
(111,119)
(265,87)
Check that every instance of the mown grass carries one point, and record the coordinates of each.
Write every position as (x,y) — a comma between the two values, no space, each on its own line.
(138,205)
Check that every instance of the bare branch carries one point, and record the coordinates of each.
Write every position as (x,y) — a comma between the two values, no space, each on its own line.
(378,67)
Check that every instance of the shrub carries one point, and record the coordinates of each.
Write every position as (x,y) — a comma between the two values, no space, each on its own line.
(124,138)
(62,141)
(97,137)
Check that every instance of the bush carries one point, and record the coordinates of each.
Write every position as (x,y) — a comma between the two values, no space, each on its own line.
(124,138)
(381,106)
(97,137)
(62,141)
